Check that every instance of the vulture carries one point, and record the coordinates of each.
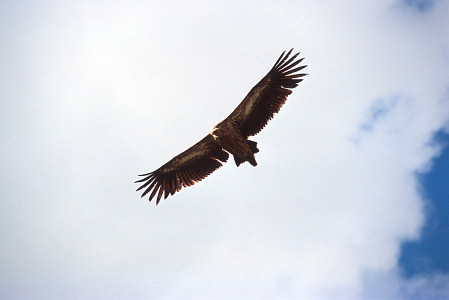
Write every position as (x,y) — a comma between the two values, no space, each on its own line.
(230,135)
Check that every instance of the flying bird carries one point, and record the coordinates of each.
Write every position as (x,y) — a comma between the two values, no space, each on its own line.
(230,135)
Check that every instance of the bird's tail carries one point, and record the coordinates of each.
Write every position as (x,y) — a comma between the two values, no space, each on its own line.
(253,146)
(239,161)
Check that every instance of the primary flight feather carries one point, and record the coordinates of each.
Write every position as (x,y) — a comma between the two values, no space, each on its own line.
(230,135)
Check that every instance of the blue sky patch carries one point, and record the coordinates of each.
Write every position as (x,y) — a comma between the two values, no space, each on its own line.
(379,110)
(420,5)
(429,254)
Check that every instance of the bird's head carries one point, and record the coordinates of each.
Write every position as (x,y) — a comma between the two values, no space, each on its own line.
(216,133)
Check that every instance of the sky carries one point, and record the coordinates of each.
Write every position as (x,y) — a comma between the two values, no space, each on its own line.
(350,196)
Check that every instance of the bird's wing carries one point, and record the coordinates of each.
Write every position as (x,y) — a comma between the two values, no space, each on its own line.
(185,169)
(267,97)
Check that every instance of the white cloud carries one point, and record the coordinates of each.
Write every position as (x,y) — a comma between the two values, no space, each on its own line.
(115,89)
(391,285)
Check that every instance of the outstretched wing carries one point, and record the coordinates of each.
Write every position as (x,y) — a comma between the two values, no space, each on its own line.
(185,169)
(267,97)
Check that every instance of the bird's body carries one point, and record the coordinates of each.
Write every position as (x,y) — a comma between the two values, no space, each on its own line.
(230,135)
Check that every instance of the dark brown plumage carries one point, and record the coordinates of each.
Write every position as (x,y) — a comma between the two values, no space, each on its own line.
(230,135)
